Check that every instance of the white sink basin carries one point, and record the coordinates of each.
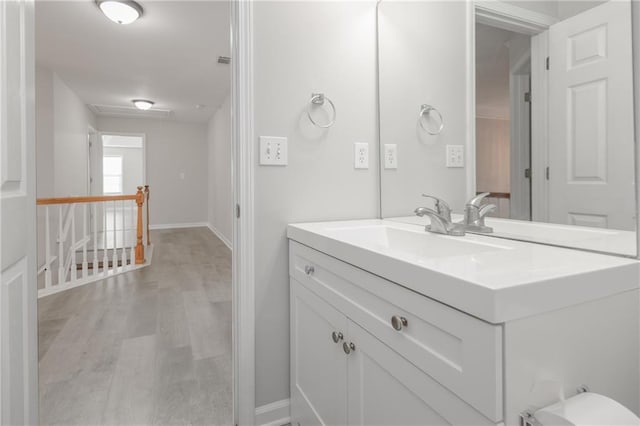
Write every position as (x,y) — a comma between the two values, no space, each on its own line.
(497,280)
(409,243)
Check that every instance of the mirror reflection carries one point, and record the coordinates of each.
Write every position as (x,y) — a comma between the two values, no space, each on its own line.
(525,116)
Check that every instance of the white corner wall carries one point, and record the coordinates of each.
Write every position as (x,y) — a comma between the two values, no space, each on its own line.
(220,208)
(44,133)
(302,48)
(71,121)
(172,148)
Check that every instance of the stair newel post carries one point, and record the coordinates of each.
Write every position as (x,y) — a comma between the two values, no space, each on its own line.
(140,196)
(146,191)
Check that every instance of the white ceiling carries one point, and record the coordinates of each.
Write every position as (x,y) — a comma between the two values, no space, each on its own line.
(168,56)
(492,71)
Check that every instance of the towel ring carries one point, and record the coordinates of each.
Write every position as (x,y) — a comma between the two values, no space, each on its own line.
(428,109)
(318,99)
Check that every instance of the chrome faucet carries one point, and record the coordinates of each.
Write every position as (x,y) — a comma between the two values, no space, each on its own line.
(439,223)
(474,214)
(442,208)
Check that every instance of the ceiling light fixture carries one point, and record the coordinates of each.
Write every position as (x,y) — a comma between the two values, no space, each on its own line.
(142,104)
(120,11)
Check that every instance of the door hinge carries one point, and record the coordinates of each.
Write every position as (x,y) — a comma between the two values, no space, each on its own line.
(547,173)
(527,173)
(527,97)
(547,62)
(237,210)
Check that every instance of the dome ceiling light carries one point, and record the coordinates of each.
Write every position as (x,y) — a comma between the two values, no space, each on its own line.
(120,11)
(142,104)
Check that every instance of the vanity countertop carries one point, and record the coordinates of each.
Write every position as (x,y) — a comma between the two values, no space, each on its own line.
(496,280)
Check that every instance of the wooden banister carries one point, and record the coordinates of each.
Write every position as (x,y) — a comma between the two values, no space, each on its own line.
(87,199)
(140,196)
(146,191)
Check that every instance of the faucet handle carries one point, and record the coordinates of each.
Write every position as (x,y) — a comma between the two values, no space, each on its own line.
(477,200)
(485,210)
(442,207)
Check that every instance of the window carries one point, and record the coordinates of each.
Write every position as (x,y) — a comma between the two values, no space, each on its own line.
(112,174)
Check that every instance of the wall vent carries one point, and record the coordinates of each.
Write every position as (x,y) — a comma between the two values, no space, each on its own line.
(121,111)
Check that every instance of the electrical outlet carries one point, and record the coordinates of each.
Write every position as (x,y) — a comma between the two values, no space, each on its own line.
(361,155)
(390,156)
(455,155)
(273,151)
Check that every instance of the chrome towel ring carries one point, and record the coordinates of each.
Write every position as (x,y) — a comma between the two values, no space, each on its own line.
(318,99)
(428,109)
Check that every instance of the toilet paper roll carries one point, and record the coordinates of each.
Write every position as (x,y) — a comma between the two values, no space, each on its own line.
(587,409)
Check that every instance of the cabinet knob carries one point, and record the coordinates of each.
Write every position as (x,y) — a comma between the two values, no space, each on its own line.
(348,347)
(336,336)
(398,322)
(309,270)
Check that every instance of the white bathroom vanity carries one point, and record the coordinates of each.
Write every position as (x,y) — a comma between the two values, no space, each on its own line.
(394,325)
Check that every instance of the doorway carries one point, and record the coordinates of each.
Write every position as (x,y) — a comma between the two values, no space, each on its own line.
(503,120)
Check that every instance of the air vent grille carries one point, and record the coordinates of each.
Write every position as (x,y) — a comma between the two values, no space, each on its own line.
(120,111)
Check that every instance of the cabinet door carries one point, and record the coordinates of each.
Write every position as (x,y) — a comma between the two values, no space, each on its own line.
(386,389)
(318,364)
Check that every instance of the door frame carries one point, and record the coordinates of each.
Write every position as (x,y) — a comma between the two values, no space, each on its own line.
(243,263)
(144,150)
(514,18)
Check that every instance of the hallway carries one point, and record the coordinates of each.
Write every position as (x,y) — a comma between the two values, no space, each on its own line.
(151,346)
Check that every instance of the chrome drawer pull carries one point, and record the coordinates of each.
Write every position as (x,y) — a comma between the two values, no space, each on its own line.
(398,322)
(336,336)
(309,270)
(348,348)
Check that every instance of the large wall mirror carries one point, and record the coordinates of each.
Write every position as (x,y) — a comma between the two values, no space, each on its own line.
(529,101)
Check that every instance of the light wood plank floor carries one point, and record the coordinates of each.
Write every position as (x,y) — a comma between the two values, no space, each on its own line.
(151,346)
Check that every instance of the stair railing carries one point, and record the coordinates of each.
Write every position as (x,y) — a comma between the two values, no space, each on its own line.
(111,224)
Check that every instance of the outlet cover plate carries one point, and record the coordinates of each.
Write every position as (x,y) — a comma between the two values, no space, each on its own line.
(273,151)
(455,155)
(361,155)
(390,156)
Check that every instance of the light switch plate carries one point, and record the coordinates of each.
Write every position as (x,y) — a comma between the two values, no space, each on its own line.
(273,151)
(390,156)
(361,155)
(455,155)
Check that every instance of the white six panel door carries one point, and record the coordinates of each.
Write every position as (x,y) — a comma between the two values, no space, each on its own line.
(18,290)
(591,119)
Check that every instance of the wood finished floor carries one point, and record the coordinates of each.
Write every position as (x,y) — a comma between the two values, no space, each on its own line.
(149,347)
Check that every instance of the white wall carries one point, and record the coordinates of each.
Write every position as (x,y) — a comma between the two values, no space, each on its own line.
(62,123)
(44,133)
(220,209)
(172,148)
(492,155)
(300,48)
(71,121)
(423,60)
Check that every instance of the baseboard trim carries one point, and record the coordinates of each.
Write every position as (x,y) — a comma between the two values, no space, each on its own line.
(275,414)
(218,234)
(179,225)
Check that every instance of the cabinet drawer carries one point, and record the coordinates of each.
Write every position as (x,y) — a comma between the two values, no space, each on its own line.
(461,352)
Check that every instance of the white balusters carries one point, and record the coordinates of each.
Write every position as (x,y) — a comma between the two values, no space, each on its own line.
(114,266)
(119,229)
(72,261)
(85,264)
(95,238)
(60,248)
(123,250)
(47,249)
(105,257)
(133,236)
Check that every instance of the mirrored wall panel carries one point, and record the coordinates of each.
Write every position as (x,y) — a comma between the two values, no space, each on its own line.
(530,103)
